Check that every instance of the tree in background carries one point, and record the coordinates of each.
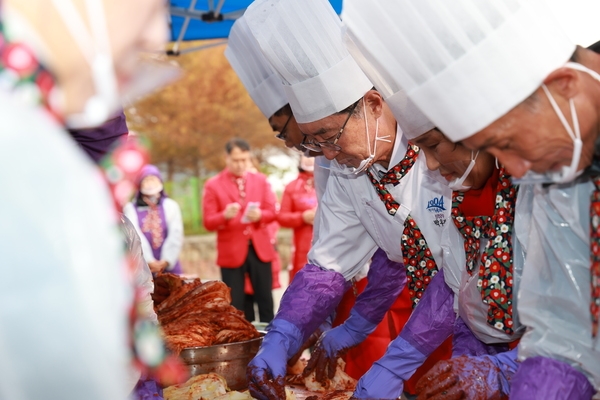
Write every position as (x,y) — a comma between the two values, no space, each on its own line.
(189,122)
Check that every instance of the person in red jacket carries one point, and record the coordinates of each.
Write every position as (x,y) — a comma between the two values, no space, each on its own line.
(298,207)
(239,205)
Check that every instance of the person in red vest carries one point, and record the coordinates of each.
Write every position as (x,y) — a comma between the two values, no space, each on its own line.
(298,207)
(239,205)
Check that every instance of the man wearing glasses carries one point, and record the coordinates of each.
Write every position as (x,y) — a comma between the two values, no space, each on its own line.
(379,194)
(265,89)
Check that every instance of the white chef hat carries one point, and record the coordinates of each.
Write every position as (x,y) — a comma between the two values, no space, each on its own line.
(378,63)
(579,19)
(465,63)
(303,42)
(260,80)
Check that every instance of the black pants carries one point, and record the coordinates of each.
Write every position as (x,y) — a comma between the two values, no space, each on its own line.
(262,283)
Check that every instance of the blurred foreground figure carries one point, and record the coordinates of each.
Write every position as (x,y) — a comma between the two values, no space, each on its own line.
(63,326)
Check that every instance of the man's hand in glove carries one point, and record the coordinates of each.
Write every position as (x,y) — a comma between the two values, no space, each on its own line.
(472,378)
(334,343)
(310,342)
(266,372)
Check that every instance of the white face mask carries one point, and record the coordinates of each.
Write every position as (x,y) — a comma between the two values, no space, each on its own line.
(457,184)
(94,44)
(566,173)
(95,47)
(151,190)
(364,164)
(152,199)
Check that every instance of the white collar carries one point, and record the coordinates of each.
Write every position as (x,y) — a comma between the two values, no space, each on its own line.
(398,153)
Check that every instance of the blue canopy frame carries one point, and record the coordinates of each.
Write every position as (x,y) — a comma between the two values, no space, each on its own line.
(208,19)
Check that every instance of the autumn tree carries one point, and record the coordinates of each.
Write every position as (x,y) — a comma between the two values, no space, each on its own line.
(189,122)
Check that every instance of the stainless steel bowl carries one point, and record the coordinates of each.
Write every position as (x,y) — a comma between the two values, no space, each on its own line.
(228,360)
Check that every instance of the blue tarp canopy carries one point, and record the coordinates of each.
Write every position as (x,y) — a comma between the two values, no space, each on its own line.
(209,19)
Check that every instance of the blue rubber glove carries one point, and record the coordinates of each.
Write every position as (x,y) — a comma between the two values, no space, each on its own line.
(465,343)
(334,343)
(312,340)
(385,281)
(549,379)
(381,382)
(308,301)
(429,325)
(266,371)
(483,377)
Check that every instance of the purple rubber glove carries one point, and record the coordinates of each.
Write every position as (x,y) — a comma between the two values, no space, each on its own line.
(308,301)
(430,324)
(465,343)
(334,343)
(312,340)
(147,389)
(484,377)
(549,379)
(385,379)
(385,280)
(266,371)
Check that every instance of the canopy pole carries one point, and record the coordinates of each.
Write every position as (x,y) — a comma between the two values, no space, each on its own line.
(219,7)
(186,22)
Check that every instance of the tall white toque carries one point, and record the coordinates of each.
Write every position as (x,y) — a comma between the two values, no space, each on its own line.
(465,63)
(302,39)
(579,19)
(260,80)
(378,62)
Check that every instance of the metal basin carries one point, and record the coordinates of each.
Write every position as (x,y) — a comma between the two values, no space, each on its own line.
(228,360)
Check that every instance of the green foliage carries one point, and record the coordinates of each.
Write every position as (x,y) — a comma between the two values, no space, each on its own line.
(187,192)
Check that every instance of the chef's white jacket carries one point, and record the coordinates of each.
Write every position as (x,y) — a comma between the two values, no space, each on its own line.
(467,295)
(353,220)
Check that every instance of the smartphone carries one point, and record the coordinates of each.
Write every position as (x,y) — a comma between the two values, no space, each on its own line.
(250,206)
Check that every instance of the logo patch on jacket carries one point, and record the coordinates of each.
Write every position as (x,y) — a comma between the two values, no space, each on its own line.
(436,206)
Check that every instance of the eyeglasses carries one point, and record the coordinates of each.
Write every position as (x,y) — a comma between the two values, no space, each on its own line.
(281,135)
(327,144)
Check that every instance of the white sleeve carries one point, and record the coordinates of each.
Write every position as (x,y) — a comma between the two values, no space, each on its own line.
(344,244)
(143,275)
(174,240)
(129,211)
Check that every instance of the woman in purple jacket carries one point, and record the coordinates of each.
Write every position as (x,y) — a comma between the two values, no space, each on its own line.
(157,219)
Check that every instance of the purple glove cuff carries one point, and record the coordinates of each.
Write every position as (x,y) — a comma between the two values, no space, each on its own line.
(312,296)
(385,379)
(433,319)
(465,343)
(386,280)
(358,327)
(352,332)
(549,379)
(285,334)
